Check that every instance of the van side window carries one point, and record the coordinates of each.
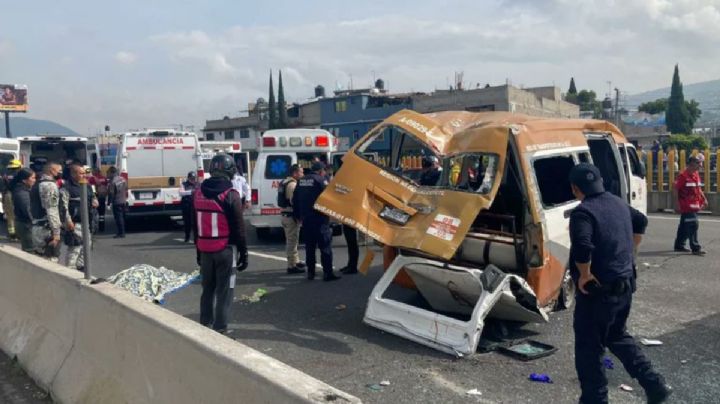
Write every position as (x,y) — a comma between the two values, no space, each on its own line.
(277,167)
(380,144)
(584,157)
(552,174)
(635,166)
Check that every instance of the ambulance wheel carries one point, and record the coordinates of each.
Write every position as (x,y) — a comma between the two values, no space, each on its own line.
(263,233)
(566,299)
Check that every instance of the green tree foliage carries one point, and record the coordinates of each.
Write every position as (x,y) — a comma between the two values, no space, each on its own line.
(678,117)
(572,89)
(685,142)
(587,100)
(654,107)
(282,108)
(272,109)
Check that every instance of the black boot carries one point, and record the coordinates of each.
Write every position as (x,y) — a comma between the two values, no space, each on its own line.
(656,390)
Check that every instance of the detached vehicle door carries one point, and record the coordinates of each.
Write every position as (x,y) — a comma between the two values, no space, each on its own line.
(384,191)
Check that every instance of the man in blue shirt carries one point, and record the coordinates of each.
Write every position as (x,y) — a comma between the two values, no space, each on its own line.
(604,231)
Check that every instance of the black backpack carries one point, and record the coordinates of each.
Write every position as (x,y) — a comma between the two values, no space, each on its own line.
(282,200)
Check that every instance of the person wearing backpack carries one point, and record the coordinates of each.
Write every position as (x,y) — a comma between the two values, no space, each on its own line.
(220,239)
(289,222)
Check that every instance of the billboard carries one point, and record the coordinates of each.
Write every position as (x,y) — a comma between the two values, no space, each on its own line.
(13,98)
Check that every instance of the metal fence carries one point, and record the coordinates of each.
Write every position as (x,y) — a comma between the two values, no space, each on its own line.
(667,165)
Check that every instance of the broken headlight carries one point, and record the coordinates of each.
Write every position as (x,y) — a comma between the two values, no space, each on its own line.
(394,215)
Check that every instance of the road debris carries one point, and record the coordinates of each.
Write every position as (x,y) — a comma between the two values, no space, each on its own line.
(608,363)
(625,387)
(650,342)
(474,392)
(649,265)
(684,361)
(374,387)
(340,307)
(255,297)
(385,383)
(540,378)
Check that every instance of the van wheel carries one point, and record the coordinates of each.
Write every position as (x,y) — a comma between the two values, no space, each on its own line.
(263,233)
(566,299)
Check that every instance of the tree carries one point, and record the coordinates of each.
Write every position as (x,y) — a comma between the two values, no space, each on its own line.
(678,117)
(694,111)
(685,142)
(654,107)
(587,100)
(572,89)
(272,120)
(282,108)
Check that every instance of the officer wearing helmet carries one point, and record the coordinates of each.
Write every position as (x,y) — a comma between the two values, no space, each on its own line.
(220,241)
(10,171)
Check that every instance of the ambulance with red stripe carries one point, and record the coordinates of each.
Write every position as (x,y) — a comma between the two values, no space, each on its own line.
(278,151)
(154,162)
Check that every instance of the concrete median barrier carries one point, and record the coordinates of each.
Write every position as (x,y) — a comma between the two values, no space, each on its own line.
(99,344)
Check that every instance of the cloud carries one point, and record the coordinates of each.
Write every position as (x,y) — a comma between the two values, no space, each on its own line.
(126,58)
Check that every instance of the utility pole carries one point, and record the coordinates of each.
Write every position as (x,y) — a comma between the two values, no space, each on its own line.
(617,106)
(7,125)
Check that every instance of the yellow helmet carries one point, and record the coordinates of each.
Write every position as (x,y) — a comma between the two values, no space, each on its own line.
(15,163)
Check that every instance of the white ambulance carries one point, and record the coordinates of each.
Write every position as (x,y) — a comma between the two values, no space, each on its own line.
(280,149)
(211,148)
(59,148)
(154,162)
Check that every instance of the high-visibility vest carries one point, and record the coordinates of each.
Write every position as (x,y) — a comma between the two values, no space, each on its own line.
(213,228)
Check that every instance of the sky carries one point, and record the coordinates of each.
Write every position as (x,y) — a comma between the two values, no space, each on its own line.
(156,63)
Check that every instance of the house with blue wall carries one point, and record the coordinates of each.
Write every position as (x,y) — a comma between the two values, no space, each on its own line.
(350,114)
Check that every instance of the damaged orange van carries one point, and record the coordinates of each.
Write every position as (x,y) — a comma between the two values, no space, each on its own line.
(486,234)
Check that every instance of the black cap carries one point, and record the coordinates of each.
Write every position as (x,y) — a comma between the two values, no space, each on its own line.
(587,177)
(191,174)
(317,166)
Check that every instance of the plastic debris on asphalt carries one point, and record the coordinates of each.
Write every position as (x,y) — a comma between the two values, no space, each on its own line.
(255,297)
(625,387)
(650,342)
(340,307)
(474,392)
(684,361)
(150,283)
(649,265)
(385,383)
(540,378)
(374,387)
(608,363)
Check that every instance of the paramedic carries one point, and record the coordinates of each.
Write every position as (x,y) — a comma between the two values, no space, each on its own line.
(290,224)
(604,231)
(220,235)
(689,200)
(317,226)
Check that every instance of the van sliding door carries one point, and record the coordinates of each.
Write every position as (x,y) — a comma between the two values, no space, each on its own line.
(607,159)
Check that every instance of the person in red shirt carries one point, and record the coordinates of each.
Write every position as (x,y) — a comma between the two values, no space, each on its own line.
(689,200)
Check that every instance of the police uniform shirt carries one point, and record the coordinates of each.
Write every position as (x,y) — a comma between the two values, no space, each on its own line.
(601,232)
(307,191)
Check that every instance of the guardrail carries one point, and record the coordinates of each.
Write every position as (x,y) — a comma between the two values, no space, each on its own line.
(667,171)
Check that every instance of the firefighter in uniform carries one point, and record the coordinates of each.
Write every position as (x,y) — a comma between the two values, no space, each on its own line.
(604,232)
(290,224)
(71,195)
(7,177)
(317,226)
(45,204)
(220,238)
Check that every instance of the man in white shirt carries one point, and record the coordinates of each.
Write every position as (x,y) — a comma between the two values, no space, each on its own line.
(241,185)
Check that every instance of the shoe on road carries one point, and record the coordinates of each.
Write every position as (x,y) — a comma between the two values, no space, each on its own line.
(348,270)
(699,252)
(300,265)
(659,394)
(295,270)
(330,278)
(682,249)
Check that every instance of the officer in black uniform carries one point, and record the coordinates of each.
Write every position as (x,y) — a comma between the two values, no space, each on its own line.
(316,225)
(186,202)
(604,231)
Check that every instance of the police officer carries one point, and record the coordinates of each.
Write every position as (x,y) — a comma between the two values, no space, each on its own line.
(220,238)
(6,194)
(45,204)
(186,193)
(317,226)
(71,195)
(604,231)
(290,224)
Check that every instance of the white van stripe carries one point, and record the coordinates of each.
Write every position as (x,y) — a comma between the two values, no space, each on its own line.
(214,224)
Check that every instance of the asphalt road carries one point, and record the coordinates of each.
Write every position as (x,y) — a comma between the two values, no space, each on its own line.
(298,323)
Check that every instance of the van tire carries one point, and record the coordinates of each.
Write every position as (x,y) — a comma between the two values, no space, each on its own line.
(263,233)
(566,298)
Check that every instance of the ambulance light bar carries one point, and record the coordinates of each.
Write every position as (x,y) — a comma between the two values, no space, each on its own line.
(268,142)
